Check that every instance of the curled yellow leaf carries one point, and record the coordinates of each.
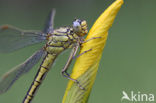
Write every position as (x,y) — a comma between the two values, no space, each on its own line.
(86,65)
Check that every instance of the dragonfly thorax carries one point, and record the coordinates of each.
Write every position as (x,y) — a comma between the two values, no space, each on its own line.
(61,39)
(65,37)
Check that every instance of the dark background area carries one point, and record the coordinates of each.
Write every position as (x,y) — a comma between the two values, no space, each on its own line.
(128,61)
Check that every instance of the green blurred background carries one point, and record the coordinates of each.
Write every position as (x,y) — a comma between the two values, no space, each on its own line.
(128,61)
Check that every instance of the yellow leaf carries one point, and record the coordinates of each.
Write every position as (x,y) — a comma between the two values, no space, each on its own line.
(86,65)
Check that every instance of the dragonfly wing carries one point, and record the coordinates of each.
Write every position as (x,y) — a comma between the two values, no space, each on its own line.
(13,38)
(50,22)
(10,77)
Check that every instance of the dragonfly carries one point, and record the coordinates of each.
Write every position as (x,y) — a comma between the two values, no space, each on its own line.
(57,41)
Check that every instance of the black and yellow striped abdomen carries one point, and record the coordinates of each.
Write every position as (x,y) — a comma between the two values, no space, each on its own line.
(44,68)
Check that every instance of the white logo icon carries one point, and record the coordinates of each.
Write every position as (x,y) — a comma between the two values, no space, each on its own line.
(125,96)
(140,97)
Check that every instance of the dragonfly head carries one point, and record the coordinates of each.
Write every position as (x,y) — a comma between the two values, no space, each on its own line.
(80,27)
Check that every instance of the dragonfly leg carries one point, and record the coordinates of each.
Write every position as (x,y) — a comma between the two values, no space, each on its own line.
(89,39)
(64,70)
(84,41)
(76,81)
(65,73)
(73,53)
(82,53)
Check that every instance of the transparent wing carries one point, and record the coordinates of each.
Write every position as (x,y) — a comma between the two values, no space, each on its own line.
(13,38)
(50,22)
(10,77)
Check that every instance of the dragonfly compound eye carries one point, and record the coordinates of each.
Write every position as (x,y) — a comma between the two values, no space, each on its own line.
(80,27)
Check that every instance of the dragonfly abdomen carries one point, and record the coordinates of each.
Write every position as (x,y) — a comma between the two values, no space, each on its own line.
(44,68)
